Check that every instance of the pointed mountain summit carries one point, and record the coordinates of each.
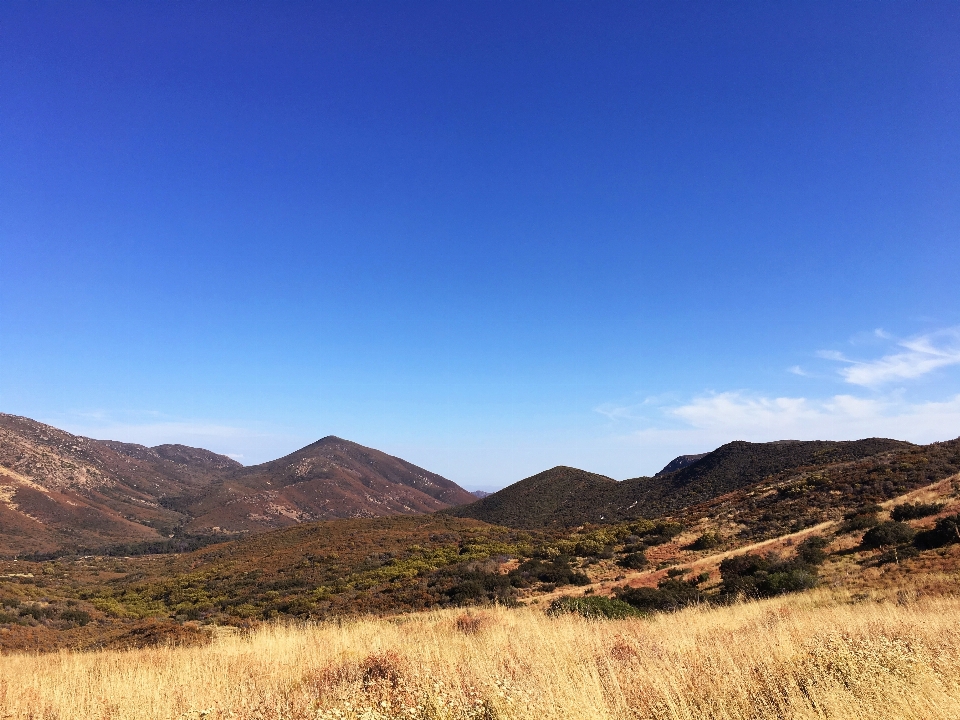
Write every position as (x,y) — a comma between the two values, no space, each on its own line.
(331,478)
(559,496)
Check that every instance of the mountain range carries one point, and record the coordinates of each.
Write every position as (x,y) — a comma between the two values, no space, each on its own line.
(62,490)
(566,497)
(59,491)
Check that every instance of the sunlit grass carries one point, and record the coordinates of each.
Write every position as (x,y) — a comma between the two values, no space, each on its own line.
(816,655)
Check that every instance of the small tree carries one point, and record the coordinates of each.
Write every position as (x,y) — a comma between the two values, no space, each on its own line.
(887,534)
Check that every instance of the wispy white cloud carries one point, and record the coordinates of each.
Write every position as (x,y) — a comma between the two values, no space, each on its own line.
(612,411)
(738,415)
(833,355)
(797,370)
(919,356)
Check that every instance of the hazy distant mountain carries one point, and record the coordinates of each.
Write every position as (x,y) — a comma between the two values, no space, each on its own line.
(60,490)
(566,496)
(479,494)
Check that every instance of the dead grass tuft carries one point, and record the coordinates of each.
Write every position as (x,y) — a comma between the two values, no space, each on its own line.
(473,623)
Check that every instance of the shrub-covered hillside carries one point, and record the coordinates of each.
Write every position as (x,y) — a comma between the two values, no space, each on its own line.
(569,497)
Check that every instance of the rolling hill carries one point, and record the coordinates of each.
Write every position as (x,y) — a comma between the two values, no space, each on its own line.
(567,497)
(388,565)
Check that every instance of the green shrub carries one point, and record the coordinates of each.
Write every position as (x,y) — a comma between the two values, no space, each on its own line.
(671,593)
(594,607)
(811,550)
(859,520)
(887,534)
(80,617)
(37,612)
(707,541)
(945,532)
(556,572)
(912,511)
(633,561)
(662,533)
(765,576)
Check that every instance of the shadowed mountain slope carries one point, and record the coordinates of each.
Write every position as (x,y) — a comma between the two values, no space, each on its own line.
(555,496)
(568,497)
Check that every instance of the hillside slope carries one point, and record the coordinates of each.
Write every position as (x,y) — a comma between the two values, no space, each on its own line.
(576,497)
(61,491)
(331,478)
(554,497)
(397,564)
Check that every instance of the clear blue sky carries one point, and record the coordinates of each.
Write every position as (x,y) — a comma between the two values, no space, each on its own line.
(487,237)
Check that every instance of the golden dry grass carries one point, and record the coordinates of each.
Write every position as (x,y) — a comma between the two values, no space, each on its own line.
(816,655)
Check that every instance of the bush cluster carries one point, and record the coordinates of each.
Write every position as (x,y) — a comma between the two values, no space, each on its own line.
(862,518)
(13,611)
(765,575)
(593,607)
(887,534)
(945,532)
(707,541)
(634,560)
(671,593)
(913,511)
(469,584)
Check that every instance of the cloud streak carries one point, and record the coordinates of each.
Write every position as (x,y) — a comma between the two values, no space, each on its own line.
(709,421)
(920,355)
(737,415)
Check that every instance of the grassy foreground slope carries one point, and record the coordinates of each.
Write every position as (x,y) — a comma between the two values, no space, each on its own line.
(817,655)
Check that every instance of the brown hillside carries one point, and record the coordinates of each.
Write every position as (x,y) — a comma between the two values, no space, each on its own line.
(567,497)
(332,478)
(62,491)
(59,489)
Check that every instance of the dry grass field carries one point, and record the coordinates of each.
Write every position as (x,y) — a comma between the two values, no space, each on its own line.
(821,654)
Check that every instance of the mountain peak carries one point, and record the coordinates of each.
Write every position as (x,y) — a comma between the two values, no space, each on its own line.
(62,490)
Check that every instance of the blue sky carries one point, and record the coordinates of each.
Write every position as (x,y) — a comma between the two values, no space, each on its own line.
(489,238)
